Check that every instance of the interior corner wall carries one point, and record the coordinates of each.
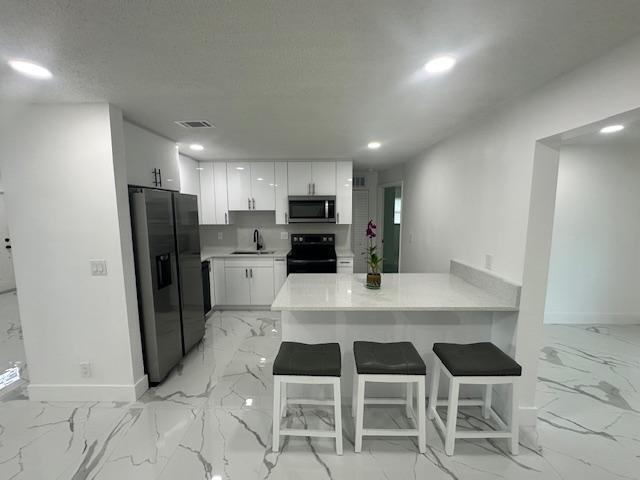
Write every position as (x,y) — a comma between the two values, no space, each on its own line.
(63,179)
(469,195)
(594,270)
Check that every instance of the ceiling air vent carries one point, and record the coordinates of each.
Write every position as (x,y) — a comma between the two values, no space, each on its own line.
(195,124)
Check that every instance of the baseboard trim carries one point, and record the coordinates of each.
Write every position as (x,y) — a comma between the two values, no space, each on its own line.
(88,393)
(221,308)
(591,318)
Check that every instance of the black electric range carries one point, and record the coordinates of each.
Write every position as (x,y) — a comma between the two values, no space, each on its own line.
(312,253)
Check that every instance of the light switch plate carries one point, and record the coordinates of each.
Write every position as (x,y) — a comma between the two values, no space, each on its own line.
(98,268)
(284,235)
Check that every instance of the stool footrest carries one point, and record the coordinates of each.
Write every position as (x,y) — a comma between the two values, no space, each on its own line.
(483,434)
(384,401)
(389,432)
(308,401)
(300,432)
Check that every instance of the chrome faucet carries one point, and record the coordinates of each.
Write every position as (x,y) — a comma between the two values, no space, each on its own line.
(257,239)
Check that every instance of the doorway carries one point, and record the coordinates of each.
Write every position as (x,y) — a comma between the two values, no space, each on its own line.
(391,219)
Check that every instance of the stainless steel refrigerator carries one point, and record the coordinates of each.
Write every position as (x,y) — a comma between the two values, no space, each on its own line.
(168,275)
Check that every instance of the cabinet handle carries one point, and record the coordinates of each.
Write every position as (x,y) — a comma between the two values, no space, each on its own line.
(249,203)
(308,188)
(251,272)
(314,188)
(286,217)
(225,218)
(155,177)
(160,175)
(246,273)
(279,259)
(337,217)
(254,203)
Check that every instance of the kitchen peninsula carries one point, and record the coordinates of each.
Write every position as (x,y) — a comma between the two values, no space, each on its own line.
(465,305)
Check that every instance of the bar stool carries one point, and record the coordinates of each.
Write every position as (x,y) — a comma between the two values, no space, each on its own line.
(396,362)
(301,363)
(478,364)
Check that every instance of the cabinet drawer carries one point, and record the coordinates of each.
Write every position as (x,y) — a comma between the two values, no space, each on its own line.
(345,262)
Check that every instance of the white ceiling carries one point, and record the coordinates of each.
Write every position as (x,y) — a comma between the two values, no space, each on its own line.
(300,78)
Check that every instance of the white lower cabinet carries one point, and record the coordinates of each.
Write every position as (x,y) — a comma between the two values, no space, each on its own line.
(279,273)
(249,281)
(219,284)
(345,265)
(261,282)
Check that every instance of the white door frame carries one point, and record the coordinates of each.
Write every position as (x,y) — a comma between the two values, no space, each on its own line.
(10,283)
(380,208)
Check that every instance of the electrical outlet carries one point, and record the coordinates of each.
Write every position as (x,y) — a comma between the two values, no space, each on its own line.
(284,235)
(488,261)
(220,235)
(85,370)
(98,267)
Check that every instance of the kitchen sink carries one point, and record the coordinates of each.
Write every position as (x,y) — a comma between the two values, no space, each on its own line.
(252,252)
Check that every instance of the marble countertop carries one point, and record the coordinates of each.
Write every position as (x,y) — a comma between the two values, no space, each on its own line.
(399,292)
(225,252)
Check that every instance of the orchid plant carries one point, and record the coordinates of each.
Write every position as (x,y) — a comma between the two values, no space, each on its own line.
(373,259)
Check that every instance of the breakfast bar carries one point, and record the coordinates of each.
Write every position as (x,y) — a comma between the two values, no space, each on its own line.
(466,305)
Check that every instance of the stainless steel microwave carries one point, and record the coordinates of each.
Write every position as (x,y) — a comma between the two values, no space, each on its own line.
(312,209)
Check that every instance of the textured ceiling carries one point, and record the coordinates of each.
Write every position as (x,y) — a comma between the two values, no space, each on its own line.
(301,78)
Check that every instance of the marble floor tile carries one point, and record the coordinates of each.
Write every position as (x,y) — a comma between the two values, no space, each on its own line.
(211,419)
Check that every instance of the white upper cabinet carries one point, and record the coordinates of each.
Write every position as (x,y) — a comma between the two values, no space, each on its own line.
(239,186)
(282,193)
(344,192)
(220,188)
(152,161)
(214,209)
(323,178)
(263,194)
(189,177)
(312,178)
(251,186)
(299,178)
(207,203)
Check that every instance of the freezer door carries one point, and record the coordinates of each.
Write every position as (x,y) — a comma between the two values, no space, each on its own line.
(189,268)
(157,279)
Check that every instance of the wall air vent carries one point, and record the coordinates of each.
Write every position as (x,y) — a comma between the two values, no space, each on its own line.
(359,181)
(195,124)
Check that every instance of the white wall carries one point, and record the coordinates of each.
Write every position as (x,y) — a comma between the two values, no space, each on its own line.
(189,176)
(594,271)
(470,194)
(65,181)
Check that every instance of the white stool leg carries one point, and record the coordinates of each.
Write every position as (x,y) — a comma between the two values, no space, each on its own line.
(359,413)
(420,417)
(354,393)
(515,424)
(283,399)
(452,416)
(276,414)
(337,407)
(409,405)
(435,383)
(488,390)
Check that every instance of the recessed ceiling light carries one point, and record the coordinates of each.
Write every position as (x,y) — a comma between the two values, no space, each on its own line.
(30,69)
(239,168)
(260,179)
(199,168)
(440,64)
(374,145)
(612,129)
(196,146)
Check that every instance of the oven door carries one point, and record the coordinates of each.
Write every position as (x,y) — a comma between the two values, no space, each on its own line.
(312,209)
(299,265)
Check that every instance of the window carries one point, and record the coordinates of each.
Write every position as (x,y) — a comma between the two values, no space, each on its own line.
(397,209)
